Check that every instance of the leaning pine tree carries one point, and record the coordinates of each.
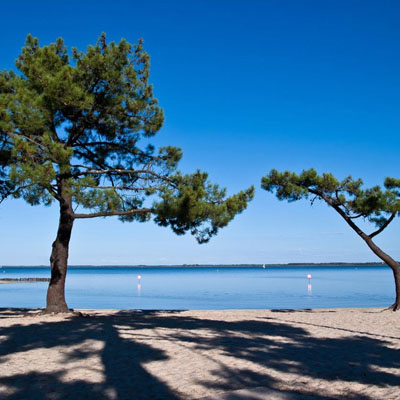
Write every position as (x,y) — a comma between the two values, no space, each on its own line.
(349,200)
(74,126)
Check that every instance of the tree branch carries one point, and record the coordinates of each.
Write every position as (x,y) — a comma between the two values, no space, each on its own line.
(31,141)
(336,207)
(356,216)
(123,187)
(122,172)
(91,159)
(118,146)
(53,192)
(112,213)
(378,231)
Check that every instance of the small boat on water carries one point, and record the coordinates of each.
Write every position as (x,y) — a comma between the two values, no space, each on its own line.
(263,265)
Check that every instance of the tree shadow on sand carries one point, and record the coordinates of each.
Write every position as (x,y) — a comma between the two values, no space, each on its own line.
(265,343)
(356,358)
(123,361)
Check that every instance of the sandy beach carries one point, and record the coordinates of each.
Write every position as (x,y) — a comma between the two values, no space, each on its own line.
(239,354)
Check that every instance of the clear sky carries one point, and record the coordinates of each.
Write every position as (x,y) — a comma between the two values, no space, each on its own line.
(246,86)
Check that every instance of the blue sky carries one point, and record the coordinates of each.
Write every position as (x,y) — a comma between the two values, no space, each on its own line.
(246,86)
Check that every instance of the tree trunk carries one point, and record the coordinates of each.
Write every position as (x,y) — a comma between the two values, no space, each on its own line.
(59,257)
(396,274)
(394,266)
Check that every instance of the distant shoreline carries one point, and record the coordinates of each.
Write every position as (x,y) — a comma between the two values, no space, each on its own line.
(287,265)
(23,280)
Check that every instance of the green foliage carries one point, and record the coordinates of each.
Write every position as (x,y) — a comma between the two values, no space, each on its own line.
(198,206)
(346,196)
(73,124)
(393,185)
(6,186)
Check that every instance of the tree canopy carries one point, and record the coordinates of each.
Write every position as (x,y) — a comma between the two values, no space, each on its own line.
(348,198)
(78,127)
(6,186)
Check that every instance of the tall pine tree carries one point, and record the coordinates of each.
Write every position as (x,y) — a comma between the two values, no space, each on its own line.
(75,125)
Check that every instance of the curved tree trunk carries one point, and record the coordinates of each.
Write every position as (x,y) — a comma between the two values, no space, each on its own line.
(59,258)
(396,274)
(394,266)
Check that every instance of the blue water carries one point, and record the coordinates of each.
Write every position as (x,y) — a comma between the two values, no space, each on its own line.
(207,288)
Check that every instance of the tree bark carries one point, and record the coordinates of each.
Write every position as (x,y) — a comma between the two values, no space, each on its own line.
(394,266)
(59,256)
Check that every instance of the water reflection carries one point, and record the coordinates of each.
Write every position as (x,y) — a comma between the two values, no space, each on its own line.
(309,289)
(139,285)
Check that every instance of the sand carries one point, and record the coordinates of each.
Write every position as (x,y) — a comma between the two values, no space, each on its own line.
(239,354)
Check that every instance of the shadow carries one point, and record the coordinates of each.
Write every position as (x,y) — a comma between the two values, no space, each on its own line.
(337,329)
(306,310)
(260,352)
(13,312)
(122,359)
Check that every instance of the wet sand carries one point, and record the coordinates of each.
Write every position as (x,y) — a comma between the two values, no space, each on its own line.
(239,354)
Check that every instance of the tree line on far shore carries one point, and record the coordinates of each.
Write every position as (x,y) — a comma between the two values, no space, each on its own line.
(71,131)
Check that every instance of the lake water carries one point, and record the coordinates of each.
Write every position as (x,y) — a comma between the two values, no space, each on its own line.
(207,288)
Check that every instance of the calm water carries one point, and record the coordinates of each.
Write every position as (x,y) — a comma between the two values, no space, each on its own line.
(207,288)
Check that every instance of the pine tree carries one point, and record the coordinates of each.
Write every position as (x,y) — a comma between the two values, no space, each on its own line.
(349,200)
(6,186)
(75,125)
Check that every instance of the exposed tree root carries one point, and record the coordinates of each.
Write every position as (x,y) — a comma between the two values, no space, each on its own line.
(68,312)
(393,307)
